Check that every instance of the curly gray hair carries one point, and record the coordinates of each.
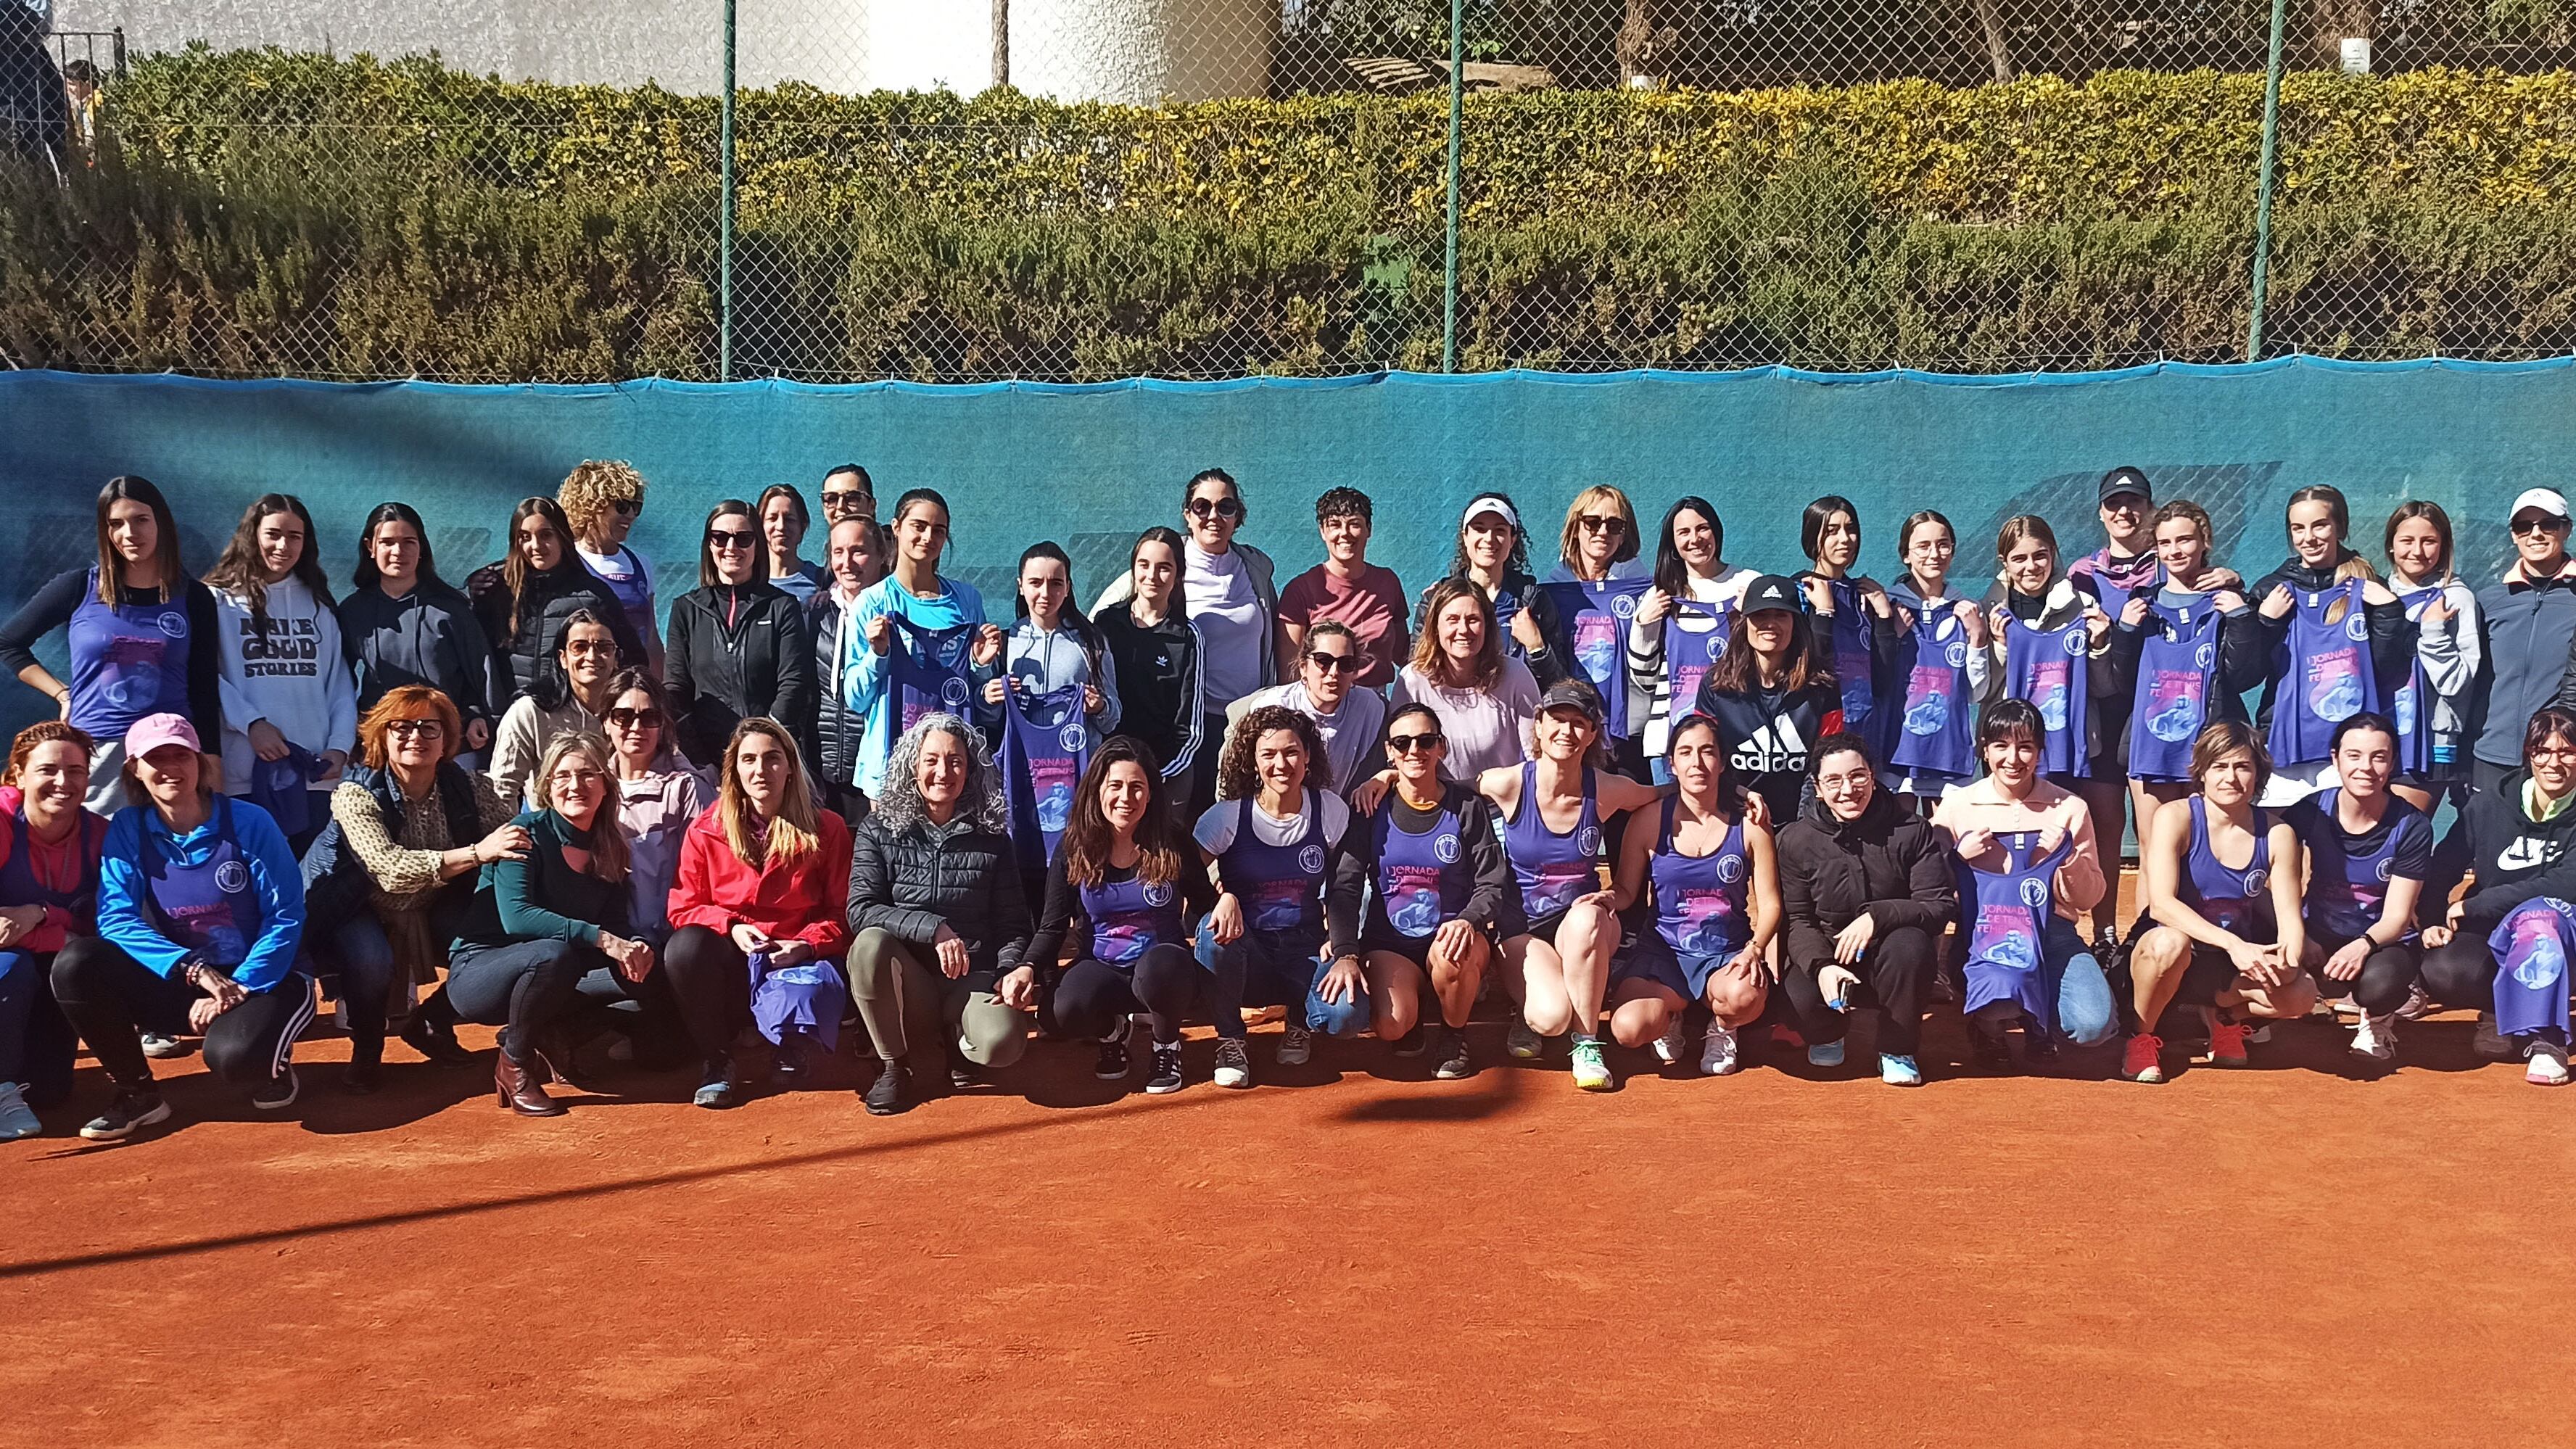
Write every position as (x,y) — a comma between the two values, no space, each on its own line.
(900,805)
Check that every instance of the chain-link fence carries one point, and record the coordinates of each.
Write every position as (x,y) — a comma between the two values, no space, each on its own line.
(1086,189)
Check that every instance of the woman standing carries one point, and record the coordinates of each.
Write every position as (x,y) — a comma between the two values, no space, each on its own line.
(2052,647)
(570,696)
(2522,841)
(1716,886)
(2530,629)
(1275,838)
(601,502)
(2126,567)
(402,624)
(1854,620)
(1597,582)
(141,634)
(1772,699)
(200,914)
(48,893)
(783,525)
(939,921)
(1121,885)
(1938,666)
(855,546)
(2192,650)
(738,647)
(1430,871)
(1486,700)
(541,921)
(290,706)
(1155,655)
(526,600)
(2432,708)
(2368,855)
(1681,624)
(918,641)
(1555,809)
(1055,699)
(2333,632)
(391,879)
(765,876)
(2222,930)
(1493,556)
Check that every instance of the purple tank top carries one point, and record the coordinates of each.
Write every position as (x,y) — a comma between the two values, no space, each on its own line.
(1854,666)
(925,673)
(2322,675)
(2347,888)
(2232,900)
(1699,899)
(2051,669)
(211,908)
(2177,670)
(1553,870)
(1931,732)
(1129,918)
(1281,886)
(1422,880)
(2411,705)
(2008,912)
(1596,617)
(1045,747)
(126,662)
(1689,654)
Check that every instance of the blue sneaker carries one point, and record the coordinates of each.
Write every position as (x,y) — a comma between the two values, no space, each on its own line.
(1899,1071)
(1825,1054)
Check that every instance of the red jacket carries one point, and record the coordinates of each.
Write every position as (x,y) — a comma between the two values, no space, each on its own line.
(72,866)
(804,900)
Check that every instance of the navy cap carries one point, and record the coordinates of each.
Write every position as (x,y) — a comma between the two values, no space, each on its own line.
(1574,694)
(2126,480)
(1771,591)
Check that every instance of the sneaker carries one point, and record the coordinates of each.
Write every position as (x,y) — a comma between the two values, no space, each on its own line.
(1297,1047)
(17,1119)
(1899,1071)
(363,1075)
(2419,1005)
(1115,1061)
(2375,1037)
(1988,1051)
(787,1063)
(1670,1046)
(963,1075)
(130,1113)
(1591,1072)
(1233,1063)
(2258,1033)
(161,1046)
(717,1089)
(2548,1065)
(2038,1046)
(890,1093)
(2143,1060)
(1524,1043)
(1455,1063)
(1825,1054)
(278,1093)
(2227,1043)
(1411,1044)
(1166,1075)
(2491,1044)
(1718,1055)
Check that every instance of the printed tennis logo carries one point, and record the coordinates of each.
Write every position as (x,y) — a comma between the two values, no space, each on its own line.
(2254,880)
(1730,868)
(952,692)
(1311,860)
(232,877)
(1158,894)
(2356,627)
(1070,737)
(2034,893)
(173,623)
(1955,654)
(1587,841)
(2073,640)
(1715,645)
(1624,606)
(2204,656)
(2384,865)
(1444,849)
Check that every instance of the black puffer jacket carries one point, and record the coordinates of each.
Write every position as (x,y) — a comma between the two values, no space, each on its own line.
(1888,862)
(551,597)
(718,674)
(911,883)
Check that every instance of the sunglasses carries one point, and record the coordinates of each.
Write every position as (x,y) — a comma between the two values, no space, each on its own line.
(1330,663)
(626,507)
(1218,507)
(841,498)
(627,719)
(1603,523)
(2538,523)
(727,538)
(425,728)
(1407,744)
(586,647)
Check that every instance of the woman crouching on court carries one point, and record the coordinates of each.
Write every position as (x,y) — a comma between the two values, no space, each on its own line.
(759,914)
(1717,908)
(2028,866)
(200,915)
(2368,855)
(2222,930)
(1127,886)
(48,894)
(2506,944)
(1429,870)
(939,917)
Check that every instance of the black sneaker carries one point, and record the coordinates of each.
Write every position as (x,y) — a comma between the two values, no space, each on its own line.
(363,1075)
(891,1092)
(130,1113)
(962,1076)
(717,1086)
(438,1043)
(1166,1076)
(1413,1043)
(1988,1051)
(1456,1065)
(2038,1046)
(2491,1045)
(279,1092)
(1115,1060)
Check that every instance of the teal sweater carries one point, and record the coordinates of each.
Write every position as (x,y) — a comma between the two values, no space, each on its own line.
(542,898)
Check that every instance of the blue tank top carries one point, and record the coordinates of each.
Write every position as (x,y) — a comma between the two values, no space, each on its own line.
(1281,886)
(1045,747)
(1553,870)
(211,908)
(1855,666)
(1422,880)
(1129,918)
(1596,618)
(2008,913)
(2322,676)
(2052,670)
(2348,888)
(2177,674)
(925,673)
(1699,899)
(1932,733)
(2232,900)
(126,662)
(1689,654)
(2410,706)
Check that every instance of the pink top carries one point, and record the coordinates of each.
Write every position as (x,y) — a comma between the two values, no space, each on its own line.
(1984,806)
(1372,605)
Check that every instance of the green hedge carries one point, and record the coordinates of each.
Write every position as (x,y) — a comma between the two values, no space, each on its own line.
(265,212)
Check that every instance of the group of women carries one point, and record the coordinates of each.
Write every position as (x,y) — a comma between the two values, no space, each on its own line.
(1652,790)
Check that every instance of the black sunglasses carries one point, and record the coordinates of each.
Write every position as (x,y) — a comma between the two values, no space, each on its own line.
(1330,663)
(2538,523)
(1407,744)
(627,719)
(727,538)
(1221,507)
(626,505)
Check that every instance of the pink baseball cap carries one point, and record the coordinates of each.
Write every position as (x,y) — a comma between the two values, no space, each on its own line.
(155,730)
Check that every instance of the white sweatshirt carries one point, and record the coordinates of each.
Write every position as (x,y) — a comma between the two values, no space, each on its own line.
(294,677)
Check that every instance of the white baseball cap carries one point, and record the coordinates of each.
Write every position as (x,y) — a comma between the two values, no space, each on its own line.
(1488,503)
(2547,500)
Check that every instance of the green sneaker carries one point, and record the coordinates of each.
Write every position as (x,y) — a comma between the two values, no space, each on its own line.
(1591,1072)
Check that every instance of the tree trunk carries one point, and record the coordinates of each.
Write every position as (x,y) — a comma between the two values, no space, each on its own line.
(1644,45)
(1001,42)
(2319,28)
(1990,21)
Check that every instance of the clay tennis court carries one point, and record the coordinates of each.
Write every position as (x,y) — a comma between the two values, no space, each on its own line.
(1348,1255)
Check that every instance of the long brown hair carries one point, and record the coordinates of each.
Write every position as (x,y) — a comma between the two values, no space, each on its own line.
(165,547)
(238,569)
(1088,836)
(1739,668)
(2353,565)
(44,732)
(607,841)
(1431,660)
(1238,771)
(2431,512)
(514,563)
(795,830)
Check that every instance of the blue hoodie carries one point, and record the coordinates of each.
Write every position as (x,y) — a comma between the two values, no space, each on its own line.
(125,918)
(863,671)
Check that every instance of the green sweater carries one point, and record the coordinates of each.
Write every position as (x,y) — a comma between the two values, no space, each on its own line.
(542,898)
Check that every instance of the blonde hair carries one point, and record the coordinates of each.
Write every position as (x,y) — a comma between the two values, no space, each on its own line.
(1567,541)
(796,830)
(591,486)
(607,841)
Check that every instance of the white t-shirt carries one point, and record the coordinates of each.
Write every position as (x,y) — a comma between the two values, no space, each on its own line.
(1227,615)
(1215,832)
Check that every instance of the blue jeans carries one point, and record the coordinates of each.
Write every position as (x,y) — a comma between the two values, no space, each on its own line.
(36,1043)
(1281,968)
(355,946)
(2086,1013)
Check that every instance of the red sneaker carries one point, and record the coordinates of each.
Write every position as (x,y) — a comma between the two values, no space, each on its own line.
(2141,1063)
(2227,1043)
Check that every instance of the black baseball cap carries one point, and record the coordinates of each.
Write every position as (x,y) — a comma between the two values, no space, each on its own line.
(1573,694)
(1771,591)
(2126,480)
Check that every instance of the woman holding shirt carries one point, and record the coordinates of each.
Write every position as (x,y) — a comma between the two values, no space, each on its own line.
(1682,619)
(2052,647)
(2334,634)
(2368,855)
(2494,948)
(1938,666)
(2432,708)
(919,642)
(1597,582)
(1855,624)
(2191,649)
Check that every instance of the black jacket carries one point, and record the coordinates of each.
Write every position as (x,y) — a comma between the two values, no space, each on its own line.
(428,636)
(1160,698)
(1889,862)
(2516,858)
(911,884)
(1766,735)
(716,675)
(522,654)
(336,883)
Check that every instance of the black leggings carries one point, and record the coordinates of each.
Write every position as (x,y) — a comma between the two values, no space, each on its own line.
(711,984)
(2462,973)
(2387,974)
(1893,972)
(1093,997)
(111,999)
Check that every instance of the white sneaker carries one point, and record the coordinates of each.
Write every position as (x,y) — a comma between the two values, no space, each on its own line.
(1670,1046)
(1591,1067)
(1717,1054)
(2259,1035)
(2418,1005)
(1296,1046)
(2548,1065)
(1524,1043)
(16,1118)
(1233,1063)
(2376,1037)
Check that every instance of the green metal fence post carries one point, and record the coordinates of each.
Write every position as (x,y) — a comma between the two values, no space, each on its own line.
(1457,107)
(724,212)
(2263,184)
